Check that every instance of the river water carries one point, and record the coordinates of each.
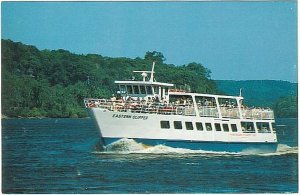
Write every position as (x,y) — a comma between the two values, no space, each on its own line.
(62,156)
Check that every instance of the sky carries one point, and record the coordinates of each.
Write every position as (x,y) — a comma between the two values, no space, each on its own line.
(235,40)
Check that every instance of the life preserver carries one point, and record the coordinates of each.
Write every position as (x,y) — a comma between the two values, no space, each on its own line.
(92,105)
(177,90)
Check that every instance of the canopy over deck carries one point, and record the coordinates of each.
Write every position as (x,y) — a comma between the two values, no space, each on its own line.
(144,83)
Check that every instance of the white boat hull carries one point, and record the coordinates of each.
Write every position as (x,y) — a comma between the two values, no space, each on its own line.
(146,129)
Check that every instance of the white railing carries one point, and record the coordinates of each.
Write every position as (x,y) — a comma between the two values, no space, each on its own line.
(229,112)
(153,107)
(208,111)
(257,113)
(141,107)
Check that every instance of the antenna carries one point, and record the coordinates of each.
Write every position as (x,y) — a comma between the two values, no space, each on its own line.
(152,72)
(144,73)
(241,90)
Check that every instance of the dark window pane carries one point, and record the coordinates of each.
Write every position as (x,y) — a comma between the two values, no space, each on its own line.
(136,89)
(225,127)
(273,127)
(233,128)
(248,127)
(218,127)
(177,125)
(189,126)
(129,89)
(165,124)
(149,90)
(208,126)
(199,126)
(143,90)
(263,127)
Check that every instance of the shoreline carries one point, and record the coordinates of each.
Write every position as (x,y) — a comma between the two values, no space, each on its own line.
(20,117)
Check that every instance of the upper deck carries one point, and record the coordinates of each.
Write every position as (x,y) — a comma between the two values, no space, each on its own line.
(184,108)
(152,97)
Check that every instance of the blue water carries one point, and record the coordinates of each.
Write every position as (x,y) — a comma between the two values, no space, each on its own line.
(62,156)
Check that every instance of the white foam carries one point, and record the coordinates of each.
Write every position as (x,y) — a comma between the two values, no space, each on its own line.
(282,149)
(129,146)
(124,145)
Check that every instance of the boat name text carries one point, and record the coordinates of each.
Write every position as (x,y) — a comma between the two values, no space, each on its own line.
(141,117)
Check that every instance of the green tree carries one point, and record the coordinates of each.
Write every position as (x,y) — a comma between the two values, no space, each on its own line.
(54,83)
(155,56)
(286,107)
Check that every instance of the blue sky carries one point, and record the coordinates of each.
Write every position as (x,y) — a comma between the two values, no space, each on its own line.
(235,40)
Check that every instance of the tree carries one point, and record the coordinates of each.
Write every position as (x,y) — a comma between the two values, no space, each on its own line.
(54,83)
(286,107)
(155,56)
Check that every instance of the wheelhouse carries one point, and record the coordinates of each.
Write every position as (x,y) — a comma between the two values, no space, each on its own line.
(143,90)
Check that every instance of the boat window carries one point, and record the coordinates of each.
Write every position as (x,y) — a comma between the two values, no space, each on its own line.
(218,127)
(207,106)
(205,101)
(263,127)
(189,126)
(227,102)
(165,124)
(233,128)
(129,89)
(225,127)
(181,99)
(122,89)
(143,90)
(177,125)
(156,90)
(149,90)
(273,128)
(199,126)
(166,91)
(208,126)
(229,107)
(136,89)
(248,127)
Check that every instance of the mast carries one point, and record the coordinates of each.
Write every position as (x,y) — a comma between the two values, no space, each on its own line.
(152,72)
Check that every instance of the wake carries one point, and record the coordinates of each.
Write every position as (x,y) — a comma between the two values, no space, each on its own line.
(129,146)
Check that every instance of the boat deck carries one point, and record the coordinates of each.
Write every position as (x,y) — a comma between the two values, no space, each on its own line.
(188,109)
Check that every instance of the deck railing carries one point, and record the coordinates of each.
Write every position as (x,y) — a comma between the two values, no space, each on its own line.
(230,112)
(257,113)
(141,107)
(208,111)
(177,109)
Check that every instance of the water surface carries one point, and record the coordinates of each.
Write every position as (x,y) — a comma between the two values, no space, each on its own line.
(62,156)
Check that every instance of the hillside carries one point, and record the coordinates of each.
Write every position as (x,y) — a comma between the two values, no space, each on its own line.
(44,83)
(258,92)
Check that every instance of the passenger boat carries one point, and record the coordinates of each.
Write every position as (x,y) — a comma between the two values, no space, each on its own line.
(153,113)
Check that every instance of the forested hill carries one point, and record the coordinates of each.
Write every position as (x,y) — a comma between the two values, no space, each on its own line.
(258,92)
(44,83)
(278,95)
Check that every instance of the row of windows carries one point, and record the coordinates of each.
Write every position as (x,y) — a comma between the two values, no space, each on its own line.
(135,89)
(247,127)
(199,126)
(140,89)
(262,127)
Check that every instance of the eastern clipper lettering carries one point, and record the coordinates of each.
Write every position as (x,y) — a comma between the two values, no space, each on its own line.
(139,117)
